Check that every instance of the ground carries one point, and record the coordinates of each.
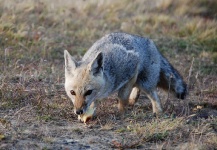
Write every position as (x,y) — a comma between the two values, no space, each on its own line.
(35,112)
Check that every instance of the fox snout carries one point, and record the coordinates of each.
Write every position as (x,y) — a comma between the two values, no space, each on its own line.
(79,106)
(79,111)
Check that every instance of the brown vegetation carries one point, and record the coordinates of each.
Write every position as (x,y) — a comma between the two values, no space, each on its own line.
(34,109)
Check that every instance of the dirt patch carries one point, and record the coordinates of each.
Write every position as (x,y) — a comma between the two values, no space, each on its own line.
(35,112)
(24,129)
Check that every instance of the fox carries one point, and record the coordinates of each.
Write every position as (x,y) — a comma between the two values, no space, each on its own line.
(120,63)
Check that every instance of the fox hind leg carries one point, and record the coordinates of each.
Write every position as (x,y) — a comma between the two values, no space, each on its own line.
(134,96)
(156,103)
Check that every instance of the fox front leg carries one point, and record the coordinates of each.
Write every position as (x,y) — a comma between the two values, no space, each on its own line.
(124,94)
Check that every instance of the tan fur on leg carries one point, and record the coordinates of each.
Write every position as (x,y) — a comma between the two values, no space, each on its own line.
(156,103)
(134,96)
(124,93)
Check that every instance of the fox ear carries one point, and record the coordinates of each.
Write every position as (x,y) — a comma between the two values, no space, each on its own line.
(70,63)
(97,64)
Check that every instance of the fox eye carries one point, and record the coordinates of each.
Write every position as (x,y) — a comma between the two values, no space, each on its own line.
(88,92)
(72,92)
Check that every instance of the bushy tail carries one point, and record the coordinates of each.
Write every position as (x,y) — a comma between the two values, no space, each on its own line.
(171,80)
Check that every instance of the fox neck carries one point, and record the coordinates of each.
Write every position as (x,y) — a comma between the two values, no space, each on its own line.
(105,89)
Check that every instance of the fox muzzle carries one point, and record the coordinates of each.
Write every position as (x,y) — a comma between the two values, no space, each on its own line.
(79,111)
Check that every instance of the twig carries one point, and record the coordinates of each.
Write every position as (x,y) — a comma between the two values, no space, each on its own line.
(190,72)
(188,84)
(17,112)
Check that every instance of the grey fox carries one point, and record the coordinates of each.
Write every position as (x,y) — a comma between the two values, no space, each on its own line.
(122,63)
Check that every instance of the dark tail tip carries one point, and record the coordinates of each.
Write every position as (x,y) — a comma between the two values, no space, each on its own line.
(183,94)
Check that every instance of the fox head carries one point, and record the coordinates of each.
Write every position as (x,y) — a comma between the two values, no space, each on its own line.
(83,81)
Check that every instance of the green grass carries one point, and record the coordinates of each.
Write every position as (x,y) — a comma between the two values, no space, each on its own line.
(34,34)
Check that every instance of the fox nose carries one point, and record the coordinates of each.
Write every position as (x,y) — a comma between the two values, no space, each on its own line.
(79,112)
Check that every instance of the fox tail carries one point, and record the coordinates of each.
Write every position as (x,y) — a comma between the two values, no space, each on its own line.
(170,79)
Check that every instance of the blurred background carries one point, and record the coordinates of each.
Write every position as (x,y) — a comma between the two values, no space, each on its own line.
(42,29)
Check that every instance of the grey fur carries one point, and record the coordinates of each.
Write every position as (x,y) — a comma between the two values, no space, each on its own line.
(125,62)
(122,52)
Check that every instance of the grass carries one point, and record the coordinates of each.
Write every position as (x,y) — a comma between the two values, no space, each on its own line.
(33,35)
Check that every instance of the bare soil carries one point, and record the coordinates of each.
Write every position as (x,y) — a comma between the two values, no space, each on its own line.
(35,112)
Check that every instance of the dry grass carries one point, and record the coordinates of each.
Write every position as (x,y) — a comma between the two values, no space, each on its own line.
(34,106)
